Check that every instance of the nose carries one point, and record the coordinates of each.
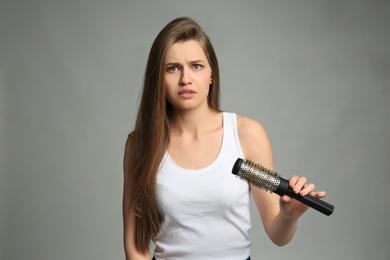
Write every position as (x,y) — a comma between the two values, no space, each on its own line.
(185,77)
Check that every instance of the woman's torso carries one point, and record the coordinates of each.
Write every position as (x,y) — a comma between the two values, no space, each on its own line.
(205,211)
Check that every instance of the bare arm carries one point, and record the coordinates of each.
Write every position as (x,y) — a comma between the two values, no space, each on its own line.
(279,214)
(128,213)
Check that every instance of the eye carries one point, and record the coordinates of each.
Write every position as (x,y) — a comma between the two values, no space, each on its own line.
(197,66)
(172,68)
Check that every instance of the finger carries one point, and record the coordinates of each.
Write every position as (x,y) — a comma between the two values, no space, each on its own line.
(285,199)
(299,185)
(293,181)
(318,194)
(307,188)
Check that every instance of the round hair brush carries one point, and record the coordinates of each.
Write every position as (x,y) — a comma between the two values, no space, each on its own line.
(271,181)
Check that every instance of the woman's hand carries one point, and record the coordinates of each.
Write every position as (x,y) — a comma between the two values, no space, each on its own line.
(292,208)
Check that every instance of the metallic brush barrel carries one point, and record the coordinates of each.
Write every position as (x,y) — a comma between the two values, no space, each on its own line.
(258,175)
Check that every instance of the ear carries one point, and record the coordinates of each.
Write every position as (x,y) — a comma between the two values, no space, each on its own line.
(211,79)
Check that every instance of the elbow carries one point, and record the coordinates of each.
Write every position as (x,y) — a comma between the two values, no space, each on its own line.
(280,239)
(281,243)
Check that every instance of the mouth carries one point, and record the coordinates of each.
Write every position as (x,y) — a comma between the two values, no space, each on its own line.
(186,92)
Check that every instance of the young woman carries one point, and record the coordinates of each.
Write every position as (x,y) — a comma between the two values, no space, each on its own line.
(179,191)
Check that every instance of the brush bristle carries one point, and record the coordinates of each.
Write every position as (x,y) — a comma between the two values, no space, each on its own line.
(258,175)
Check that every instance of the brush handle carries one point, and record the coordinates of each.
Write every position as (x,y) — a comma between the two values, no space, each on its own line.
(309,200)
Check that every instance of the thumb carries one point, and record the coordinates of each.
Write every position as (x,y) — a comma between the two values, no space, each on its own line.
(285,199)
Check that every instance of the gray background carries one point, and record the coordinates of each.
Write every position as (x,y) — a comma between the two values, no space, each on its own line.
(316,74)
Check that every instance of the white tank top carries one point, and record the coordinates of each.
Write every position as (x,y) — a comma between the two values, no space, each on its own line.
(205,212)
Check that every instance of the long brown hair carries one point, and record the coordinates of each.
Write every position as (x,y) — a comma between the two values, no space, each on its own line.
(151,134)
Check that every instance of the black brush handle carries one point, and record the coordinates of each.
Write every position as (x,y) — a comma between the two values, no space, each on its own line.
(309,200)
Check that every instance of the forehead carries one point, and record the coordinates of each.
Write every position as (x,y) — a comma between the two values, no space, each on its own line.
(188,50)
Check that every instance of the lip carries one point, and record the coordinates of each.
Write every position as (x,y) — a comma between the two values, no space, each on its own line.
(186,93)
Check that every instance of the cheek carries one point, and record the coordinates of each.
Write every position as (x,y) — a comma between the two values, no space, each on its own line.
(170,81)
(208,80)
(209,77)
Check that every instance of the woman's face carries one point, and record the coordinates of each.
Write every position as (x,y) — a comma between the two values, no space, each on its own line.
(187,75)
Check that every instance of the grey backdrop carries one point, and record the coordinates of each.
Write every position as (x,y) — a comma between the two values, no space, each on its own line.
(314,73)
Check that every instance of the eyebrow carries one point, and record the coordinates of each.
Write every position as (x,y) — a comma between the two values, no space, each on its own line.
(191,62)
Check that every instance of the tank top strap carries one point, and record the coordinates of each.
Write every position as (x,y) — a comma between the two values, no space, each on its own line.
(231,131)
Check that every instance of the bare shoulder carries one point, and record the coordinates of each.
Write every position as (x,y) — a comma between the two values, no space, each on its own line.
(250,130)
(254,140)
(249,126)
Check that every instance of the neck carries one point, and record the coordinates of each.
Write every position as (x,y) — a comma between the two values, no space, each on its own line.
(194,122)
